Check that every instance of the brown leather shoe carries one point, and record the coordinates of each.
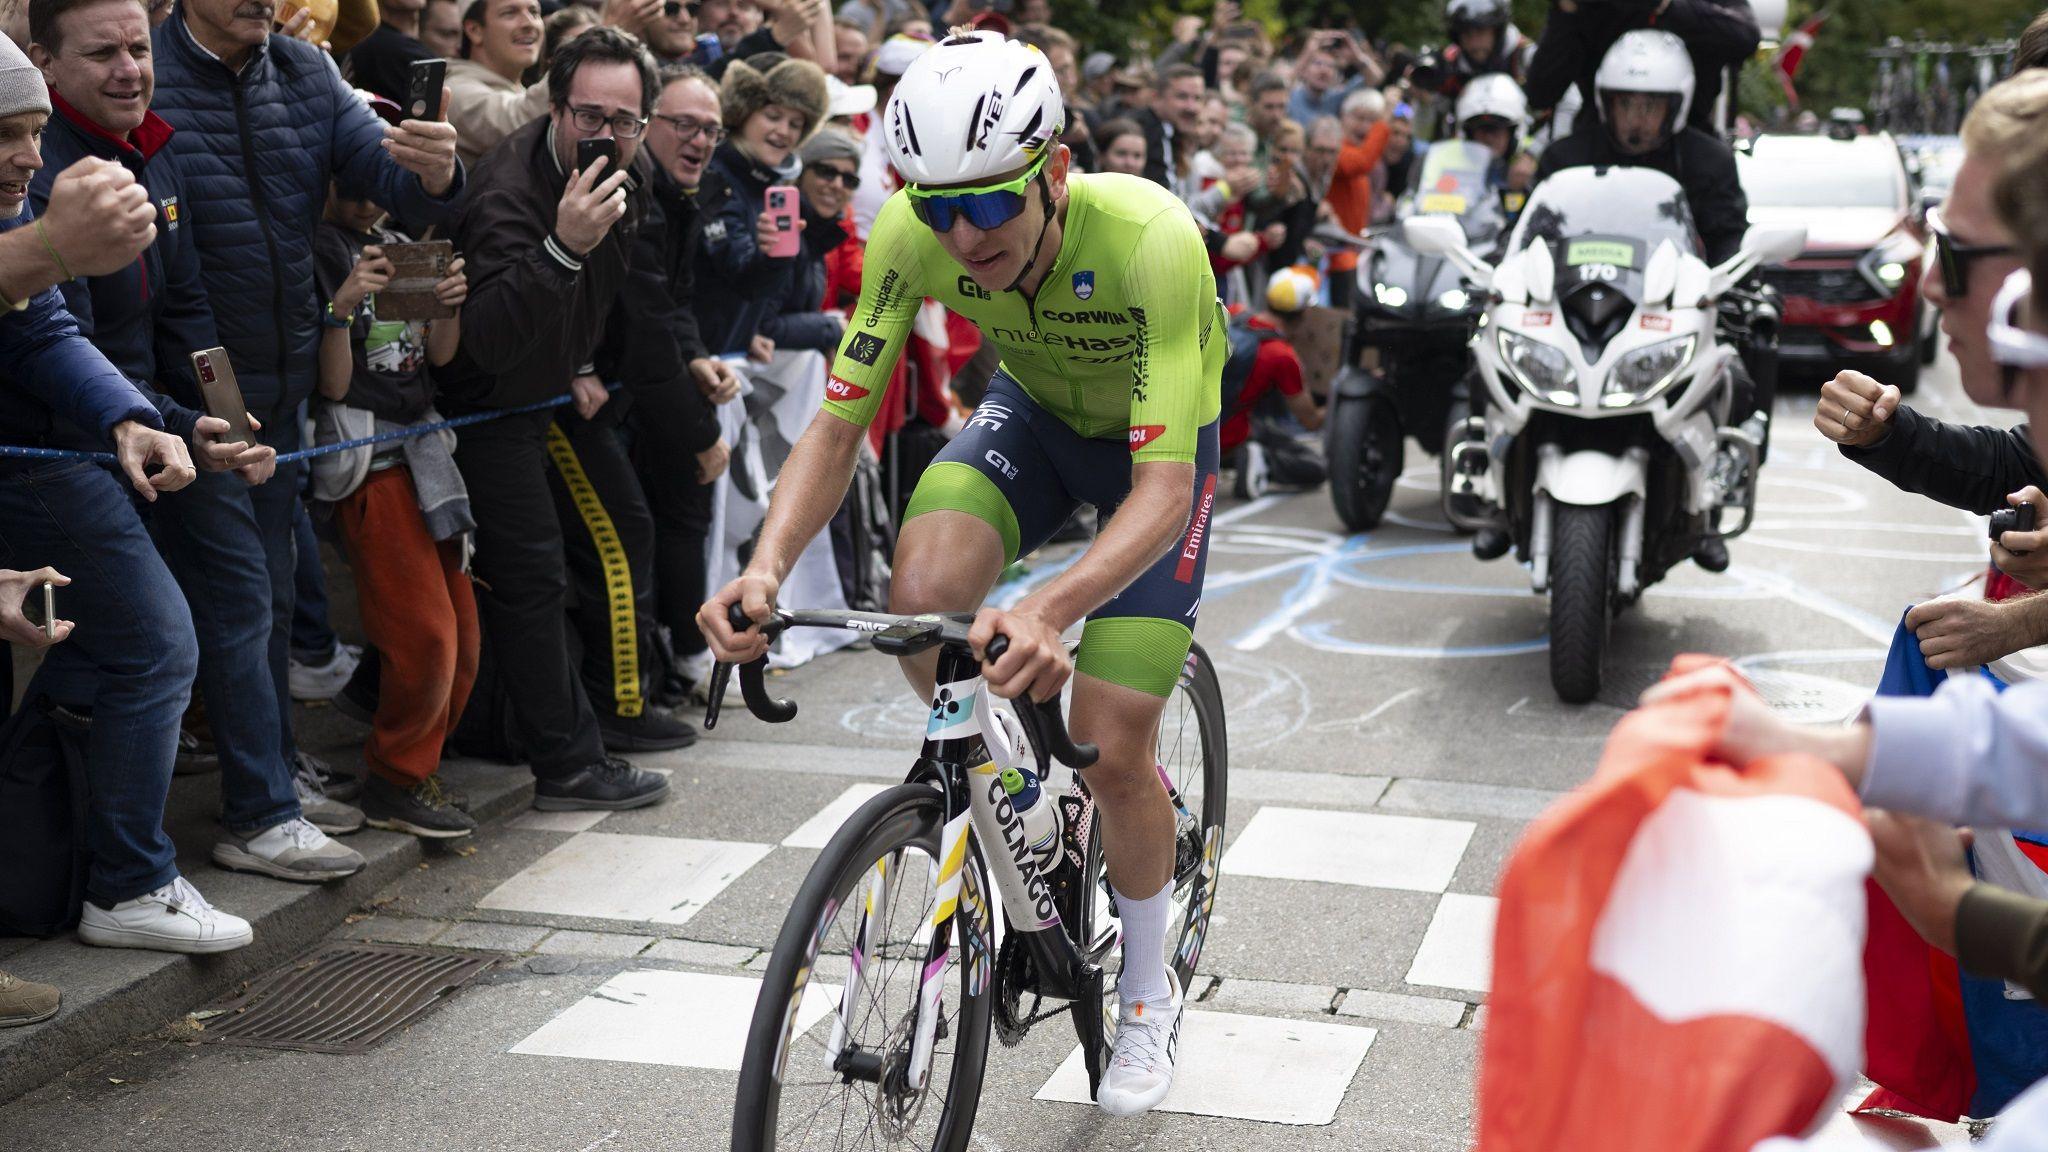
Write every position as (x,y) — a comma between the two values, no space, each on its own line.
(23,1002)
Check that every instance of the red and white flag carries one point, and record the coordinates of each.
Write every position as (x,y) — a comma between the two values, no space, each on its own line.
(1678,956)
(1793,52)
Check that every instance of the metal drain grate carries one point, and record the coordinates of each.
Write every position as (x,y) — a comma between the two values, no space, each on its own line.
(343,999)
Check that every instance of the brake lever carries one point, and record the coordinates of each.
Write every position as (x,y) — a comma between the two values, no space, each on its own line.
(753,683)
(1044,725)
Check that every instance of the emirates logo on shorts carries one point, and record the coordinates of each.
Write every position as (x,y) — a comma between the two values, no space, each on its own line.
(837,389)
(1143,434)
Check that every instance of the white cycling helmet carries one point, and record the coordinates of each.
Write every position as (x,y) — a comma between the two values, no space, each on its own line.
(1494,95)
(972,107)
(1647,60)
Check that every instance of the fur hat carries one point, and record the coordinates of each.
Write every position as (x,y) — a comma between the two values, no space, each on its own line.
(797,84)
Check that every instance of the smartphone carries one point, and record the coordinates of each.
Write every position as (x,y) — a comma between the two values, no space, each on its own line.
(587,152)
(222,395)
(782,208)
(43,614)
(423,92)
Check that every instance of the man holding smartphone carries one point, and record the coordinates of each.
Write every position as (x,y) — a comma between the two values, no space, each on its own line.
(225,83)
(550,247)
(130,660)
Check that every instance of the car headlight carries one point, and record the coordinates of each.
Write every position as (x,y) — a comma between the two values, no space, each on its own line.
(1540,369)
(1454,300)
(1644,373)
(1390,295)
(1888,266)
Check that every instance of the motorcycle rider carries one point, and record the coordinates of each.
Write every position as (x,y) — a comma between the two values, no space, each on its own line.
(1493,113)
(1481,41)
(1641,95)
(1719,34)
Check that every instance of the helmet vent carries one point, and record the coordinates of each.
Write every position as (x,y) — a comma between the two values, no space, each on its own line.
(1024,79)
(974,122)
(1031,129)
(910,133)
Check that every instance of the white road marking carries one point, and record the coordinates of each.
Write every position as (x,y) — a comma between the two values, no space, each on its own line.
(1457,951)
(678,1019)
(653,879)
(1371,851)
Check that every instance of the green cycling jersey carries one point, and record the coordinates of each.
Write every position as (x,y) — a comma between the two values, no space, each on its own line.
(1125,338)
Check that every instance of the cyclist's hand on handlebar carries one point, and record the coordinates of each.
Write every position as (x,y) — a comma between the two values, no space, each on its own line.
(1036,662)
(752,591)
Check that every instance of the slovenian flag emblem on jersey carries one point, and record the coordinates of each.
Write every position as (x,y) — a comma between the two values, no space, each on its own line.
(1084,285)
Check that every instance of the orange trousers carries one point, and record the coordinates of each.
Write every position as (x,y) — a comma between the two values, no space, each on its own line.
(419,611)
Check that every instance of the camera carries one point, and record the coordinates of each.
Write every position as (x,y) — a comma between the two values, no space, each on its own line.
(2020,519)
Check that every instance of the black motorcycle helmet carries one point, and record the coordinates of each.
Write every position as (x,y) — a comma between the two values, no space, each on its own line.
(1464,15)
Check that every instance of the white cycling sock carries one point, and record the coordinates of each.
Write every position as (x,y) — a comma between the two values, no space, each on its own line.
(1144,925)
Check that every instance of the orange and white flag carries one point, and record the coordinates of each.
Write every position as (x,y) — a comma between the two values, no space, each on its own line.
(1678,960)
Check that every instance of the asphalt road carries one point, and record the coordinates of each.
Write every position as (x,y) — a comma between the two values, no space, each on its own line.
(1391,726)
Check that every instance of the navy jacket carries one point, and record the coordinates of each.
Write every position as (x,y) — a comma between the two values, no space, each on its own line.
(149,317)
(798,323)
(753,284)
(48,371)
(255,152)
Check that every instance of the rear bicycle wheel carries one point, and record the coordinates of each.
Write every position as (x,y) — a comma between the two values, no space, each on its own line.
(791,1095)
(1194,757)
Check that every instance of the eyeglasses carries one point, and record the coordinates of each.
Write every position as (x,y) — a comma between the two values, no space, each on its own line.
(687,129)
(675,8)
(847,177)
(594,119)
(1955,257)
(2012,345)
(986,208)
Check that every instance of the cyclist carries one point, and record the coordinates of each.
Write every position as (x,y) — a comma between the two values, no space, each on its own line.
(1097,291)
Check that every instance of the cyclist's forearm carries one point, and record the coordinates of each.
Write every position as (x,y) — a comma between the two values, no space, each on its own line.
(808,492)
(1149,522)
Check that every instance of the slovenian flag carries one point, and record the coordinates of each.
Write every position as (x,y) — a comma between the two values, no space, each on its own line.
(1944,1044)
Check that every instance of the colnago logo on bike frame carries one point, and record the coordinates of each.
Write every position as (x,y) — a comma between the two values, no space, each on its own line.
(1017,842)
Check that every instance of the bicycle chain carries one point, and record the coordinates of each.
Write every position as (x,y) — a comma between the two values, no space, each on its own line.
(1015,975)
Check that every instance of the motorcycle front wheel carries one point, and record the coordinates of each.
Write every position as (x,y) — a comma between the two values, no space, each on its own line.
(1366,454)
(1582,576)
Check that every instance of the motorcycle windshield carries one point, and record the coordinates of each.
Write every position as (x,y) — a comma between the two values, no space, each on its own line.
(1601,225)
(1453,183)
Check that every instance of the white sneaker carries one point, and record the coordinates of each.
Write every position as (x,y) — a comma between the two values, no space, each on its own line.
(293,850)
(174,918)
(323,681)
(1140,1068)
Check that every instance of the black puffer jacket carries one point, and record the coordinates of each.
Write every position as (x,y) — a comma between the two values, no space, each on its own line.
(751,284)
(799,323)
(1718,34)
(1701,164)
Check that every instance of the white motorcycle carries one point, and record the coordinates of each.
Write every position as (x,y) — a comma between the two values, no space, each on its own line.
(1600,442)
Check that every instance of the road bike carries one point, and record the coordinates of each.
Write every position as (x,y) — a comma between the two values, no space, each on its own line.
(903,901)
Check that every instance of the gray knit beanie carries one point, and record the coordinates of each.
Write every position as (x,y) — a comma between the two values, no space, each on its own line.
(831,144)
(21,86)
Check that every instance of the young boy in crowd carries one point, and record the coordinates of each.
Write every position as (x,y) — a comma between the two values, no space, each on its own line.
(402,513)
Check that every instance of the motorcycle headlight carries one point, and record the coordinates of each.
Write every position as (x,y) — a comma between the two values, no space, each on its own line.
(1644,373)
(1390,295)
(1454,300)
(1541,370)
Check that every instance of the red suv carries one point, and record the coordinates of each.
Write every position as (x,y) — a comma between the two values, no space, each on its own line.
(1852,299)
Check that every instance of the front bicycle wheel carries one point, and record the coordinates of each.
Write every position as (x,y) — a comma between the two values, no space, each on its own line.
(1194,757)
(819,1079)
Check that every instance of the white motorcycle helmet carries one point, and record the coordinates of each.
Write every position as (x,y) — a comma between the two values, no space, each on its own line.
(972,107)
(1494,96)
(1647,60)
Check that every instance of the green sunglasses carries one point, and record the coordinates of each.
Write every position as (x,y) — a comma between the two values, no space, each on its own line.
(986,208)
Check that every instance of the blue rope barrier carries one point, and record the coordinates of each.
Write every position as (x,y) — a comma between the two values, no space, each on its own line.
(21,452)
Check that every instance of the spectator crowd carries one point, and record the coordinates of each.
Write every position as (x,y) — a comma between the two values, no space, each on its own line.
(564,227)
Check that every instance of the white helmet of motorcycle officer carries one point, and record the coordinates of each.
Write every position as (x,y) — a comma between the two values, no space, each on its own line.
(1644,89)
(1493,111)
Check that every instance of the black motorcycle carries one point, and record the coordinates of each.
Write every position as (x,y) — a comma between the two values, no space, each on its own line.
(1408,354)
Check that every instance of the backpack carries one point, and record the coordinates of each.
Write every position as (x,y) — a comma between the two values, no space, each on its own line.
(43,797)
(1245,342)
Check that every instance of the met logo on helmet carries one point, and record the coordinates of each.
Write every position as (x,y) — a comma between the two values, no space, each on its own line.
(842,390)
(1143,434)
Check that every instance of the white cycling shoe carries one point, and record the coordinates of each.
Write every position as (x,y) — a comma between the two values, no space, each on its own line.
(1140,1071)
